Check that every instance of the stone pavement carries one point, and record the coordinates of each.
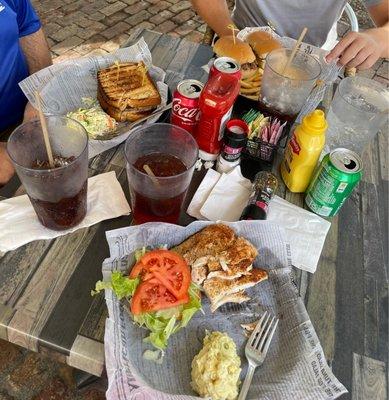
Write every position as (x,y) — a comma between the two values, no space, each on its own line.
(76,28)
(29,376)
(81,27)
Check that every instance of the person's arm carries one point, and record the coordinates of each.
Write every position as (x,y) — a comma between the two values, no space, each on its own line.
(363,49)
(215,13)
(6,167)
(37,53)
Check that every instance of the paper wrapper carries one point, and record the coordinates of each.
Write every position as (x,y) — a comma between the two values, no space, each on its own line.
(62,87)
(20,225)
(330,71)
(295,366)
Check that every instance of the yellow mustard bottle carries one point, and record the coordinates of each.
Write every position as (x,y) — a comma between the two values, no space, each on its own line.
(303,151)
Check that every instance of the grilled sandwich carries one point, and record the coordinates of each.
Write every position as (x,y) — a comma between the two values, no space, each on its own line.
(126,91)
(222,263)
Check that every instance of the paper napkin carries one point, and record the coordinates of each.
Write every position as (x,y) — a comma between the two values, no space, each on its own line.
(19,224)
(227,198)
(306,232)
(222,197)
(203,191)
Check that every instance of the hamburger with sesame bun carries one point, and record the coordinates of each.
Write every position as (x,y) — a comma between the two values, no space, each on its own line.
(262,43)
(240,52)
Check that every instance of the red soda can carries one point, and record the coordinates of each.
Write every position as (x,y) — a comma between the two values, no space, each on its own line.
(226,65)
(185,109)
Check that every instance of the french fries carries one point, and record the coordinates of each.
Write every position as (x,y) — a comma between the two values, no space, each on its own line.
(251,87)
(245,84)
(249,91)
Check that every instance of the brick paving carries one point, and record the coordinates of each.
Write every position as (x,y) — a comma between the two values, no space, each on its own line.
(77,28)
(83,27)
(29,376)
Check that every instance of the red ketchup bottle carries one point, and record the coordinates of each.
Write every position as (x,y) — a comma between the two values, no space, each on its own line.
(216,101)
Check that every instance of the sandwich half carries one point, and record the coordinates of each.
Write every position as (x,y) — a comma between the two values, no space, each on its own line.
(126,91)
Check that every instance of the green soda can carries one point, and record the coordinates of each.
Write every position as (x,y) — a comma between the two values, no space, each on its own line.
(338,174)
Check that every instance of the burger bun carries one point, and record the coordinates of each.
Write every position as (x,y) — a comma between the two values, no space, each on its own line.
(238,50)
(262,43)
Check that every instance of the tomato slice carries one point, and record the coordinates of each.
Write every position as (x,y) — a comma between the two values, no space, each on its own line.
(168,267)
(139,269)
(153,296)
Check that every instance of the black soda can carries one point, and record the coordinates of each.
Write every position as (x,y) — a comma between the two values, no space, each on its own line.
(264,187)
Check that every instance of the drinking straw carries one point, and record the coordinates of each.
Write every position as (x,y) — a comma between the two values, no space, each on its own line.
(44,130)
(295,48)
(151,174)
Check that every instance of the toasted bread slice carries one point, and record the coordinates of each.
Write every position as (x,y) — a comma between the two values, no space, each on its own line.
(128,114)
(125,96)
(127,85)
(239,297)
(119,70)
(216,288)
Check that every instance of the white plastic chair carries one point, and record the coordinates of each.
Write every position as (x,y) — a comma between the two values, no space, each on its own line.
(352,18)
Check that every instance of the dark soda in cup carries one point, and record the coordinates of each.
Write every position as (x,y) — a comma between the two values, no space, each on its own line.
(168,209)
(58,194)
(160,164)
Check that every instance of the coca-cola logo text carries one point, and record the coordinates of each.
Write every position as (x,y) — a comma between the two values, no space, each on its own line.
(185,113)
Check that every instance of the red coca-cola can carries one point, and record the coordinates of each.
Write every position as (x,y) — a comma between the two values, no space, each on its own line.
(185,108)
(226,65)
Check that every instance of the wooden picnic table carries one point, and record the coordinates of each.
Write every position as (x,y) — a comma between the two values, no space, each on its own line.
(45,301)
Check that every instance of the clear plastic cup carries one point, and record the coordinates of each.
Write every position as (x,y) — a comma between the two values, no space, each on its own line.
(166,149)
(358,111)
(58,195)
(284,91)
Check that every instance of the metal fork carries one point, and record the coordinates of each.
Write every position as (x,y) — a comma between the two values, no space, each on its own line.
(257,347)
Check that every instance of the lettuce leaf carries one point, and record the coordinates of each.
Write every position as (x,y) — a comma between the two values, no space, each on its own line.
(121,285)
(139,253)
(161,324)
(164,323)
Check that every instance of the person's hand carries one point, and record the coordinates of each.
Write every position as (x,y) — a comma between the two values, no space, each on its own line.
(29,113)
(6,168)
(358,49)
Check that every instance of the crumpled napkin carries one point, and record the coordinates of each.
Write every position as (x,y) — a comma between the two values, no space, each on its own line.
(222,197)
(19,224)
(228,197)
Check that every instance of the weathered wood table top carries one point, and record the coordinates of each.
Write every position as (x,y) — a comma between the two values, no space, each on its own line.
(45,302)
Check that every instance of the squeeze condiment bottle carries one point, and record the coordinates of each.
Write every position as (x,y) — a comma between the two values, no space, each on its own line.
(216,101)
(303,151)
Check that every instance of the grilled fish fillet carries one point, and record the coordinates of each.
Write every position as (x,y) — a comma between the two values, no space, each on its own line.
(239,297)
(210,241)
(218,248)
(216,289)
(222,263)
